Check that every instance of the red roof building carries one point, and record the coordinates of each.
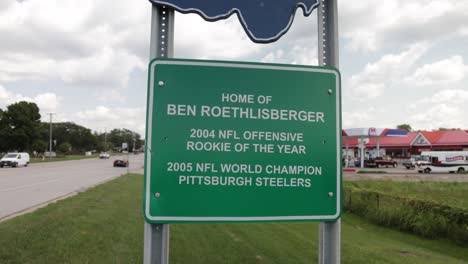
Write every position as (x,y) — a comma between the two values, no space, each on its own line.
(415,142)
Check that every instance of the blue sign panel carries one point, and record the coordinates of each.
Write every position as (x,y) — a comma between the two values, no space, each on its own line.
(264,21)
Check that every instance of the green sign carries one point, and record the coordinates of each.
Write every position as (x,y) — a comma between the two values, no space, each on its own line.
(230,141)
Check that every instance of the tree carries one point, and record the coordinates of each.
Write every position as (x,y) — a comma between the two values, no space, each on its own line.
(4,133)
(446,129)
(19,126)
(119,136)
(39,146)
(103,142)
(80,138)
(65,147)
(406,127)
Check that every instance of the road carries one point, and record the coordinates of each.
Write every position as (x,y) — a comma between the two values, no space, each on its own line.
(25,188)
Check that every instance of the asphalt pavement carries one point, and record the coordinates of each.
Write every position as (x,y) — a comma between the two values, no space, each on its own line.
(23,189)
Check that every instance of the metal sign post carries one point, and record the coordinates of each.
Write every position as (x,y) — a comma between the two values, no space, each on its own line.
(156,236)
(329,232)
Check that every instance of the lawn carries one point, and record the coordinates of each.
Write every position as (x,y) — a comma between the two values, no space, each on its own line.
(105,225)
(453,194)
(68,157)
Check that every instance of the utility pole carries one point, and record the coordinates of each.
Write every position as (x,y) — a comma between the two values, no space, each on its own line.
(128,157)
(105,139)
(50,134)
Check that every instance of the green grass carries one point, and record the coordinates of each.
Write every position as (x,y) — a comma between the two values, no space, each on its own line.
(453,194)
(68,157)
(105,225)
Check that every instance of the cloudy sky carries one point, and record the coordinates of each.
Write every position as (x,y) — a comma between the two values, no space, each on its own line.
(86,61)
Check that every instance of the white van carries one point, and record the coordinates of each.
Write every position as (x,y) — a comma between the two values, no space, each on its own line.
(15,159)
(443,161)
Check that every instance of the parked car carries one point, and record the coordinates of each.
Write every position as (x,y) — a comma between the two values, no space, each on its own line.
(15,159)
(104,155)
(368,163)
(357,163)
(377,163)
(120,163)
(411,163)
(380,162)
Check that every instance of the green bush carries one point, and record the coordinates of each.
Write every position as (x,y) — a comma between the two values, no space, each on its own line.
(39,146)
(426,218)
(65,147)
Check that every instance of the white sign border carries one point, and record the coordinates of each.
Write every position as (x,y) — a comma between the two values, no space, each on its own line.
(149,125)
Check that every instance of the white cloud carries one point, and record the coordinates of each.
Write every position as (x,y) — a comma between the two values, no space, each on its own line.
(365,90)
(464,31)
(446,108)
(441,115)
(299,54)
(391,68)
(112,95)
(108,67)
(305,55)
(459,97)
(274,56)
(99,44)
(355,119)
(370,26)
(5,96)
(368,116)
(112,117)
(445,71)
(5,4)
(79,43)
(204,40)
(47,102)
(449,96)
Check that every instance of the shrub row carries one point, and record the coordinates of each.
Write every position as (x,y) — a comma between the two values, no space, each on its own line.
(426,218)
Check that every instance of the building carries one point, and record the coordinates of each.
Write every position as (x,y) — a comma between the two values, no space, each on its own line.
(412,144)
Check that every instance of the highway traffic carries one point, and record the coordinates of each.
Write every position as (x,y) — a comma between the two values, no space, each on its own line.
(25,188)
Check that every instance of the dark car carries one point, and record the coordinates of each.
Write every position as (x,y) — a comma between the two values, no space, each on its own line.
(120,163)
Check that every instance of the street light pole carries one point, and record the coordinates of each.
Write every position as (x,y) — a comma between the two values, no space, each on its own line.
(50,134)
